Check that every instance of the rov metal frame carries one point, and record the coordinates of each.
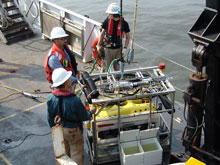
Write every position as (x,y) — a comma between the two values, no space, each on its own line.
(158,85)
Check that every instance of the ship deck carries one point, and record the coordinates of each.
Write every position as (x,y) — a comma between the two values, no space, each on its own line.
(25,136)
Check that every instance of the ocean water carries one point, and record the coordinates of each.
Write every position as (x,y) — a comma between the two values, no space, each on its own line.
(160,32)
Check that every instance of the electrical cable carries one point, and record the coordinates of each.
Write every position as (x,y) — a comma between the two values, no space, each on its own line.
(194,134)
(32,134)
(184,111)
(24,93)
(93,66)
(184,115)
(190,127)
(5,97)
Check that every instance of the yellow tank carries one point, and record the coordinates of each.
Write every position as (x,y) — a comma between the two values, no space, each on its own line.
(128,107)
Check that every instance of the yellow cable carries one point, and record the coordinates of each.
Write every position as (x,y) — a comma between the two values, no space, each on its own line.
(5,159)
(5,97)
(11,88)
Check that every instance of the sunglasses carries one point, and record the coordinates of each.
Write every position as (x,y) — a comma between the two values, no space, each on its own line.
(64,38)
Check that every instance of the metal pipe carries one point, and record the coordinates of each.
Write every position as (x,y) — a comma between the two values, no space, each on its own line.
(149,126)
(95,139)
(171,124)
(119,118)
(133,115)
(126,71)
(96,101)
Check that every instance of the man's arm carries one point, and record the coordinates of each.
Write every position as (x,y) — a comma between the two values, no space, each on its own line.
(82,113)
(127,35)
(100,43)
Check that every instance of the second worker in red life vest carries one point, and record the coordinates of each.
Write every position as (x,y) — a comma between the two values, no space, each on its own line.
(111,32)
(60,56)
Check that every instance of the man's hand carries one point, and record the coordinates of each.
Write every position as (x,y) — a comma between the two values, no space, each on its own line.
(99,47)
(100,50)
(93,108)
(78,75)
(124,52)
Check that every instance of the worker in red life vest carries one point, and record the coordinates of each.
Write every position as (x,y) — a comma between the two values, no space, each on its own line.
(111,32)
(61,102)
(60,56)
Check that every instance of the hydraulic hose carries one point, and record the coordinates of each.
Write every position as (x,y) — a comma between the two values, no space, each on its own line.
(93,66)
(110,66)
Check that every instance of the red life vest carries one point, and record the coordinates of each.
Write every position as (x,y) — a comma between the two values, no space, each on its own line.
(61,56)
(111,25)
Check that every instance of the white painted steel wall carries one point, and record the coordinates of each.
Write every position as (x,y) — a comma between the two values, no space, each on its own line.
(90,28)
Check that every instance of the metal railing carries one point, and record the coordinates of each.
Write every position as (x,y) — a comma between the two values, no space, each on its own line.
(82,30)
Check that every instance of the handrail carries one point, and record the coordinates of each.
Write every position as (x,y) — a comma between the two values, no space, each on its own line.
(4,19)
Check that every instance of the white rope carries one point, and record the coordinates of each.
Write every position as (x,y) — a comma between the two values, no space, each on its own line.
(181,90)
(191,70)
(179,103)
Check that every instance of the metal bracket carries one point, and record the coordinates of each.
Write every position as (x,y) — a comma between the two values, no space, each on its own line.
(197,56)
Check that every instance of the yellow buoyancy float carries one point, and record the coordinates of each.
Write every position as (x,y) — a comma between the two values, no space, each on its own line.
(126,108)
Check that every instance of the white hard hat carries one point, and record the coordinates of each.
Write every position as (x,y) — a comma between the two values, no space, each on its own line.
(113,8)
(60,76)
(57,32)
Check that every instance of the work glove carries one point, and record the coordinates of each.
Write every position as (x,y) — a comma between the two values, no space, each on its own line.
(98,47)
(124,52)
(100,50)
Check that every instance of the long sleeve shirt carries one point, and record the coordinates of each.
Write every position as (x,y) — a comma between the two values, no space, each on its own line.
(72,110)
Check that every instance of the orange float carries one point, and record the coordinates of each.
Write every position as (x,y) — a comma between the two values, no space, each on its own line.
(95,51)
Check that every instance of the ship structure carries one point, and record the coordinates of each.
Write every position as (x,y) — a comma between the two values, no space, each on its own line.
(133,123)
